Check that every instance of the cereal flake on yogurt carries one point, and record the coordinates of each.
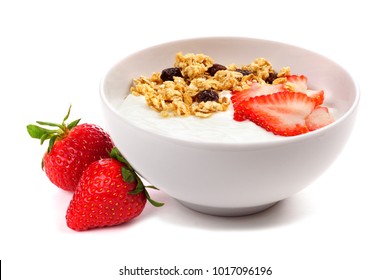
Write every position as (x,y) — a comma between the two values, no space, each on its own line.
(198,86)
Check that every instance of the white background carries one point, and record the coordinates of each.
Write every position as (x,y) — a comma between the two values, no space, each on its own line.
(53,53)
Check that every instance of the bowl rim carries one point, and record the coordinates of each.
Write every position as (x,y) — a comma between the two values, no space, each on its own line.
(233,145)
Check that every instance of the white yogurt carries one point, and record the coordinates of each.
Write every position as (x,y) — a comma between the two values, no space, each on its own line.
(220,127)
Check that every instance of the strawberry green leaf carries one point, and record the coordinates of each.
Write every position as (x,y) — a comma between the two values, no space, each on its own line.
(139,188)
(45,137)
(152,187)
(51,124)
(128,176)
(73,124)
(153,202)
(118,156)
(43,134)
(37,132)
(51,143)
(67,115)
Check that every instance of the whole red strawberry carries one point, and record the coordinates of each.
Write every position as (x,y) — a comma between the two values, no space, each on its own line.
(72,147)
(109,193)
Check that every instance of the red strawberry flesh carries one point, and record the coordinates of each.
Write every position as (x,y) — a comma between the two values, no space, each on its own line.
(318,95)
(102,198)
(318,118)
(255,89)
(282,113)
(69,156)
(300,82)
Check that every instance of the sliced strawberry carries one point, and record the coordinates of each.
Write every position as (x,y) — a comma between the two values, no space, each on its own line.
(320,117)
(300,85)
(238,116)
(300,82)
(282,113)
(255,89)
(318,95)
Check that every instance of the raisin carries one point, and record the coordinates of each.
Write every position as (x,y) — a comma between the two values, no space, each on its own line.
(244,72)
(168,74)
(215,68)
(271,77)
(207,95)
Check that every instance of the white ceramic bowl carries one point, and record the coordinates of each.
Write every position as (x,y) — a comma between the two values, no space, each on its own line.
(230,179)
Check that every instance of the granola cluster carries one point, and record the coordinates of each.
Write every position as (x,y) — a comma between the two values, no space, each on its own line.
(179,94)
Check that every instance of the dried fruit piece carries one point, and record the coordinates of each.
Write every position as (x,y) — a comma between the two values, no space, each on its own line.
(207,95)
(244,72)
(215,68)
(271,77)
(168,73)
